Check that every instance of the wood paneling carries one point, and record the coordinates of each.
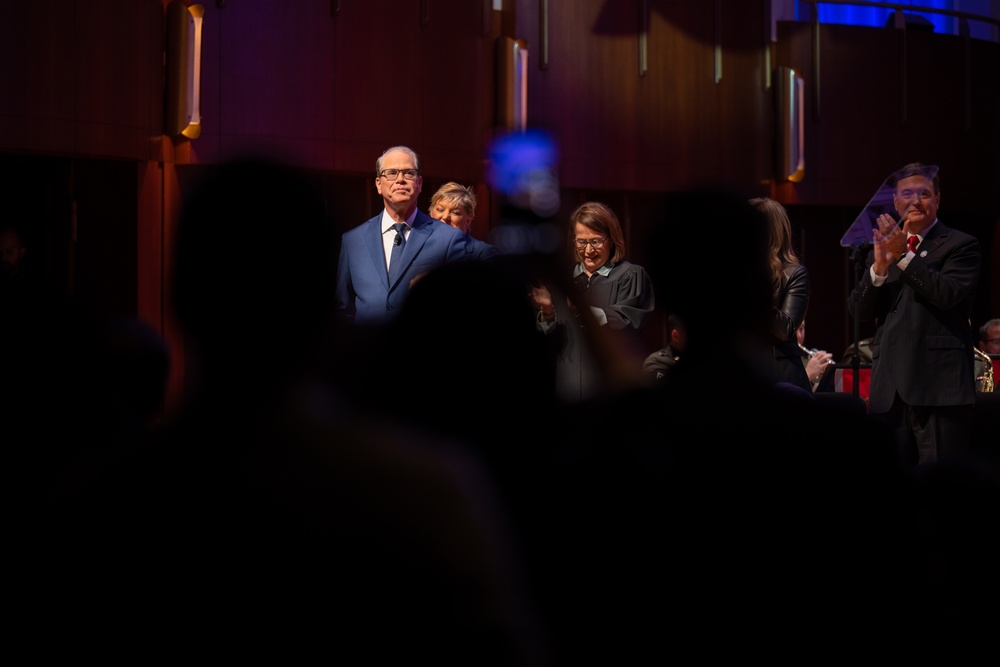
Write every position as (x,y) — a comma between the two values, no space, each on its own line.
(79,77)
(270,85)
(670,126)
(887,97)
(329,91)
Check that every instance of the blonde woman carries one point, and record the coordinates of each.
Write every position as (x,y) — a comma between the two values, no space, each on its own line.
(455,204)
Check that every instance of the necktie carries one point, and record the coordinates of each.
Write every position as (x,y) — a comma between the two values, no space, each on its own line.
(397,247)
(914,241)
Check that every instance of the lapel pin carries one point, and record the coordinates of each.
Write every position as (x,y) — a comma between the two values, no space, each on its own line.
(923,253)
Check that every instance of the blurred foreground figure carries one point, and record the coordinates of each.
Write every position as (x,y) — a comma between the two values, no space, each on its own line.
(746,516)
(271,518)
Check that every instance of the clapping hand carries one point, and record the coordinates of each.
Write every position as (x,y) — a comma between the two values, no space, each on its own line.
(889,241)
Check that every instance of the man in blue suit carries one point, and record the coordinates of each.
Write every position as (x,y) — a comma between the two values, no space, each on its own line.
(919,287)
(370,287)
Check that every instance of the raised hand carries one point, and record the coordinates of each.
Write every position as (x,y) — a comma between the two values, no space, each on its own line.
(890,243)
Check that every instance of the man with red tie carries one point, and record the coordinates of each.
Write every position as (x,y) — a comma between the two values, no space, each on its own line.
(919,287)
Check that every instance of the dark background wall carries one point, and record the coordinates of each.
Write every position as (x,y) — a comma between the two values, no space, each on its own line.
(641,98)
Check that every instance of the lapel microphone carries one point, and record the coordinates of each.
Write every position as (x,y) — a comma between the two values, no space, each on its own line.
(398,240)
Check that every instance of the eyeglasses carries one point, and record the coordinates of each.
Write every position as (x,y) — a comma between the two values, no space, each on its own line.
(907,195)
(393,174)
(992,340)
(596,244)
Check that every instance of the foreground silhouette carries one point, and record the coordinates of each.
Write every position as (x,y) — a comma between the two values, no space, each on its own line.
(270,517)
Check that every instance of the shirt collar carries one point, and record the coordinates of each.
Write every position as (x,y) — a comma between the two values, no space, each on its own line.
(388,222)
(604,270)
(926,231)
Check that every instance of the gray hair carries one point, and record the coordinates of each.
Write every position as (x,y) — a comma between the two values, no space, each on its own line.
(406,149)
(984,331)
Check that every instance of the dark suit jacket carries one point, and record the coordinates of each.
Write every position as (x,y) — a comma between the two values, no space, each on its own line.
(922,347)
(364,293)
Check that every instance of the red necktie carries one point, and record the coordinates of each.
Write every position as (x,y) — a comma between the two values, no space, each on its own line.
(914,241)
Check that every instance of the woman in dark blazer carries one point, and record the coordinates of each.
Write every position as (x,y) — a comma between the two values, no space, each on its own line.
(790,298)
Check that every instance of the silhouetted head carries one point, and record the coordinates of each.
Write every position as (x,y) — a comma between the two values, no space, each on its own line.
(479,316)
(708,259)
(255,264)
(136,363)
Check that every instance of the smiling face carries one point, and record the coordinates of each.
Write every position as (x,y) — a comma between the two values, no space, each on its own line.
(916,202)
(587,241)
(452,212)
(400,195)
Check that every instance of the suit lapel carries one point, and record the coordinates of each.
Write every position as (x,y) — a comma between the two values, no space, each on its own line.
(373,242)
(419,233)
(937,237)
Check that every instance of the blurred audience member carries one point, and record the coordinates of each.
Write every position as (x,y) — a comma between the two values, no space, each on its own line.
(987,354)
(658,363)
(272,517)
(989,336)
(50,387)
(771,494)
(864,352)
(128,394)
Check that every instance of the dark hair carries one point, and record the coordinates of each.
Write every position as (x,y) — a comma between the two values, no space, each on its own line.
(742,231)
(918,169)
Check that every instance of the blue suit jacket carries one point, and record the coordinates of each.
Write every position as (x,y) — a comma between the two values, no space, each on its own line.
(364,293)
(476,249)
(923,344)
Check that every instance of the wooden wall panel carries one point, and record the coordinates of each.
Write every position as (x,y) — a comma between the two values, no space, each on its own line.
(171,330)
(38,90)
(980,146)
(887,97)
(457,89)
(150,244)
(274,91)
(379,91)
(679,97)
(78,79)
(744,128)
(585,94)
(616,126)
(115,86)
